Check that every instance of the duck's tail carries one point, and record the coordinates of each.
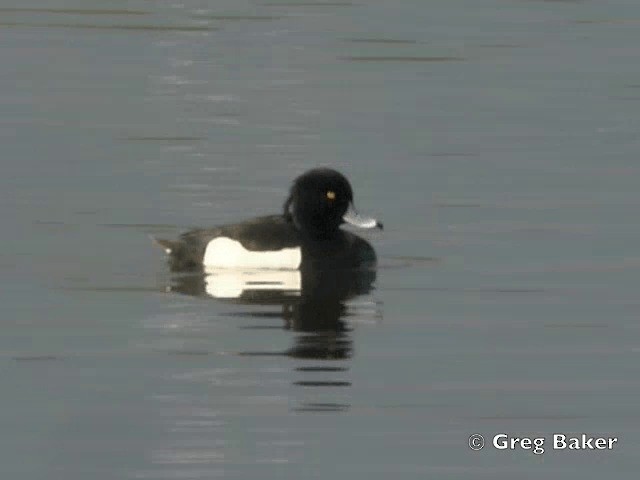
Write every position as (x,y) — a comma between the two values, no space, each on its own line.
(168,245)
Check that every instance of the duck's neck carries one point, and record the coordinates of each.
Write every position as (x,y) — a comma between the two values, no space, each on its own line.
(313,232)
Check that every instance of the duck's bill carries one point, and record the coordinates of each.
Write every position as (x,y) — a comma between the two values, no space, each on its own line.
(352,217)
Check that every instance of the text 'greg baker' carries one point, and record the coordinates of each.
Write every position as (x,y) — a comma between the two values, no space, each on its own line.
(536,445)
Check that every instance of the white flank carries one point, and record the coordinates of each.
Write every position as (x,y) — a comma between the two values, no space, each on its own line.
(225,283)
(222,252)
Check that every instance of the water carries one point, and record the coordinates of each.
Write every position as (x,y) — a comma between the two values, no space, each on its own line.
(497,141)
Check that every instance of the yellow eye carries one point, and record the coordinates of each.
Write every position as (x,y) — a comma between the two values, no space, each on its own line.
(331,195)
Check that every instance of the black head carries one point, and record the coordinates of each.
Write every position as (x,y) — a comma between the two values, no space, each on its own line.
(320,201)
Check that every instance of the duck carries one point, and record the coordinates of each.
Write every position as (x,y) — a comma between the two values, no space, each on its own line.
(306,236)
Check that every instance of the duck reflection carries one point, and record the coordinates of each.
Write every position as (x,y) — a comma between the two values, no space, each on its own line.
(313,302)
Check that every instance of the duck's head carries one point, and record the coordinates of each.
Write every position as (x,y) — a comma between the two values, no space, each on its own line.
(320,201)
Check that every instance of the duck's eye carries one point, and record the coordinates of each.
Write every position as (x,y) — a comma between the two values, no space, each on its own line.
(331,195)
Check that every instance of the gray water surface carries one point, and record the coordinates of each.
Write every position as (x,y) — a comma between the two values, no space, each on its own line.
(497,140)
